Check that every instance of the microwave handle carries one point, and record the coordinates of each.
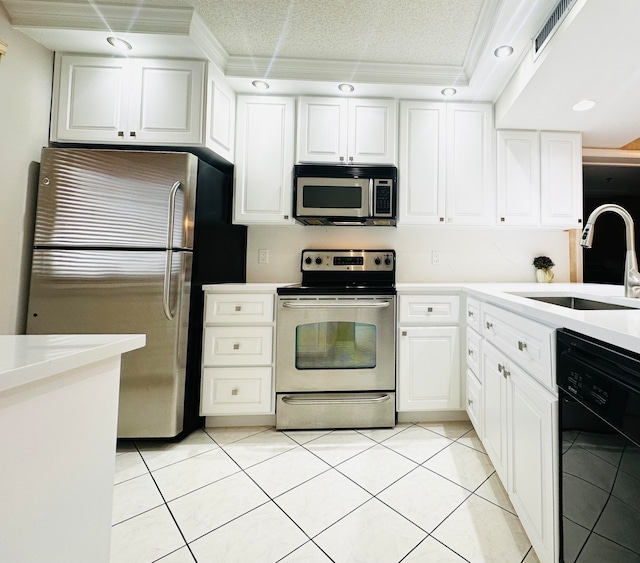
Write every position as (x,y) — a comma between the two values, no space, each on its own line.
(372,211)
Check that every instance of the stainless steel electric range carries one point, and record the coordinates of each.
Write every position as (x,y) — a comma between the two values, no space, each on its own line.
(336,342)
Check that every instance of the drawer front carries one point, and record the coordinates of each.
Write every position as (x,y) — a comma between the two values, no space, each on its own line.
(237,346)
(236,391)
(524,341)
(473,313)
(474,343)
(474,401)
(236,308)
(429,309)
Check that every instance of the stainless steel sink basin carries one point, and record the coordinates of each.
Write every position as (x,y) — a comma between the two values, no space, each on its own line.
(578,303)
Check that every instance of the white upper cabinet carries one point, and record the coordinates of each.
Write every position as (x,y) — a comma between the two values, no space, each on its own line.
(264,160)
(128,101)
(352,131)
(561,179)
(446,164)
(421,172)
(221,115)
(518,178)
(539,178)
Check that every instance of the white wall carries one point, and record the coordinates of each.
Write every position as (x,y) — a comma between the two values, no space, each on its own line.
(466,254)
(25,98)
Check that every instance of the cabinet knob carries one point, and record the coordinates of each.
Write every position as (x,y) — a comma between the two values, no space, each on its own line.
(132,133)
(500,368)
(404,333)
(342,159)
(470,402)
(470,314)
(442,219)
(234,391)
(505,373)
(120,133)
(502,219)
(286,217)
(238,307)
(521,345)
(236,346)
(350,159)
(470,352)
(429,309)
(489,325)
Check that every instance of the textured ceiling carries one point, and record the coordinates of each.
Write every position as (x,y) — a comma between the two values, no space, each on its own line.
(431,32)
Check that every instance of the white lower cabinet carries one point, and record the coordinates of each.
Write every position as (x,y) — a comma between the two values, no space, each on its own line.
(429,353)
(237,354)
(429,368)
(519,434)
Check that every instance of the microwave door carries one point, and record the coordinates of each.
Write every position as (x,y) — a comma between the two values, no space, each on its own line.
(333,197)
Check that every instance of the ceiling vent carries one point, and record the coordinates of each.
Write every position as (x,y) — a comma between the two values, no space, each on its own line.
(552,24)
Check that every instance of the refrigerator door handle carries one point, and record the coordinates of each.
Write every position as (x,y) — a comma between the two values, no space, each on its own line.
(166,287)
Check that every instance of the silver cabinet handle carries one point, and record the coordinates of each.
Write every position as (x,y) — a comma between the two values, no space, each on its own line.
(500,368)
(470,314)
(429,309)
(336,400)
(521,345)
(334,304)
(166,286)
(234,391)
(236,346)
(470,352)
(469,402)
(505,373)
(489,325)
(238,307)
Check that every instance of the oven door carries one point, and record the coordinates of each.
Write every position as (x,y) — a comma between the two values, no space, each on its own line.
(335,343)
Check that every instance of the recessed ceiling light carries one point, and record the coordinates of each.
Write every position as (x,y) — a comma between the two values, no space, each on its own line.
(260,85)
(583,105)
(449,92)
(119,43)
(503,51)
(347,88)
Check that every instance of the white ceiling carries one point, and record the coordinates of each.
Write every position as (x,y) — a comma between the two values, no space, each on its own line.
(395,48)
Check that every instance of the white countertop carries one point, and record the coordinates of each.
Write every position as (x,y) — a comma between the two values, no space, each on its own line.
(244,287)
(24,359)
(618,327)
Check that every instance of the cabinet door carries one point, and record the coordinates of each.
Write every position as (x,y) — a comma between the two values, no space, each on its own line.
(494,403)
(221,116)
(421,174)
(470,188)
(241,390)
(474,401)
(429,368)
(322,130)
(561,179)
(91,99)
(264,160)
(532,423)
(166,102)
(372,132)
(518,178)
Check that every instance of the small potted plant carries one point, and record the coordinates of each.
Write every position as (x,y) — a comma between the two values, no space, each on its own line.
(543,265)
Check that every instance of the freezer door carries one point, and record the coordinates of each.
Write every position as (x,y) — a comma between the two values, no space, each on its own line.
(122,199)
(80,291)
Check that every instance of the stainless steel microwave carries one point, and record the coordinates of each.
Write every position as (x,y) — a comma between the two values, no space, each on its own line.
(345,195)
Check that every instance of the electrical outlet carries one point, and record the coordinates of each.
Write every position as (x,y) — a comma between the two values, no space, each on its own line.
(263,256)
(435,257)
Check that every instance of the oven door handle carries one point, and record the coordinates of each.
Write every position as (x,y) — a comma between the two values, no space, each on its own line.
(335,304)
(373,399)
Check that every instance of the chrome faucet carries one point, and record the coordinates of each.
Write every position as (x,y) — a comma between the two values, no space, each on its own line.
(631,274)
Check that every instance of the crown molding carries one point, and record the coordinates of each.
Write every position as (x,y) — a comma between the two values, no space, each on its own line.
(201,35)
(98,17)
(341,71)
(487,20)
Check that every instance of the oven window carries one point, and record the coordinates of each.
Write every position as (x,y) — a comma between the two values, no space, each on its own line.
(336,345)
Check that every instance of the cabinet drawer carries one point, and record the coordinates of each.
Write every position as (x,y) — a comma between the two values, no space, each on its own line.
(235,308)
(472,352)
(429,309)
(473,313)
(236,391)
(474,401)
(237,346)
(524,341)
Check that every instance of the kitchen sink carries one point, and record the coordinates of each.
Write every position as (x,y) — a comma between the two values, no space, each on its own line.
(580,303)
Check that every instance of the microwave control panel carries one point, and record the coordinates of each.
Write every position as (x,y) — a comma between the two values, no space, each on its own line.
(382,192)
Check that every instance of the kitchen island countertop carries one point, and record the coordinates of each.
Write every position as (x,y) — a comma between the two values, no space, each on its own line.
(28,358)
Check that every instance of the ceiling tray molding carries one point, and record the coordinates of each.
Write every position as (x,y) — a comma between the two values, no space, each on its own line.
(345,71)
(484,28)
(207,43)
(99,17)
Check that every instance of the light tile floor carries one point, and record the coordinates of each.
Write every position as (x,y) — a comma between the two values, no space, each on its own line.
(416,493)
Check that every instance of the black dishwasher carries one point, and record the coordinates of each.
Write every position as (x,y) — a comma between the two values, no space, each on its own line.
(599,422)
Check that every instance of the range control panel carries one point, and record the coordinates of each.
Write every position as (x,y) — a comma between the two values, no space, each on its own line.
(348,260)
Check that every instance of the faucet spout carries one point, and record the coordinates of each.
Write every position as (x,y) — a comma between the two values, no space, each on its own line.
(632,276)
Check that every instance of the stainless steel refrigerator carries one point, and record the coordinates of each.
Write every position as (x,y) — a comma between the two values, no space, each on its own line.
(113,251)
